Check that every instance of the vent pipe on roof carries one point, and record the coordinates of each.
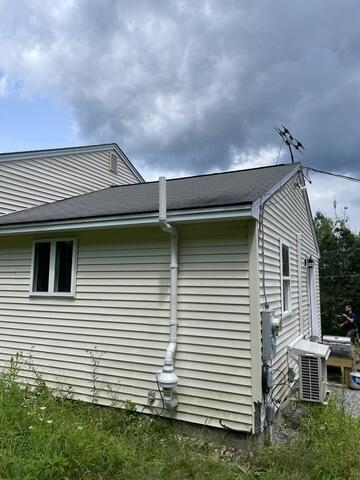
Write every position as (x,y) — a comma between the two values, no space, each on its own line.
(166,377)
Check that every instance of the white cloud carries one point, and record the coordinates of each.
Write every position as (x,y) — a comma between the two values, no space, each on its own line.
(184,83)
(193,87)
(325,189)
(3,86)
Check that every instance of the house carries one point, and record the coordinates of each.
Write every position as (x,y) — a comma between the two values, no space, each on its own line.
(29,179)
(91,286)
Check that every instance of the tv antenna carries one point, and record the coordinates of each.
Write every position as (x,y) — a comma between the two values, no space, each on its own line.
(290,141)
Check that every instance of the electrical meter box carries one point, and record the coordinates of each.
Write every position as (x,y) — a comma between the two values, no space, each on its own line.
(270,330)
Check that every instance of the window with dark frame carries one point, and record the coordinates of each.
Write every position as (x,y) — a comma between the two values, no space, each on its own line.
(286,281)
(53,267)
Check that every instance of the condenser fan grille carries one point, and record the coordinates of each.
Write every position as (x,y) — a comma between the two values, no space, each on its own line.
(310,373)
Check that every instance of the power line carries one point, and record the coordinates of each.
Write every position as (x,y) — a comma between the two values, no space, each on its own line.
(344,177)
(340,276)
(338,252)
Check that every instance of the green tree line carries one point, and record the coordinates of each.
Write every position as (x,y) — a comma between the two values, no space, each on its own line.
(339,271)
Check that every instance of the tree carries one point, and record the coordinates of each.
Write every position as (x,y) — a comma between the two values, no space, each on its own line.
(339,271)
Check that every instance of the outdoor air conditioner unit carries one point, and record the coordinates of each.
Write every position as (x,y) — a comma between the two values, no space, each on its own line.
(312,379)
(312,370)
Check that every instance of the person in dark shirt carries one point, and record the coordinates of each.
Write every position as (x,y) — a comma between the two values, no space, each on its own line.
(351,322)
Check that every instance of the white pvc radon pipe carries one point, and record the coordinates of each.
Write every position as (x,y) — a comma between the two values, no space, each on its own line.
(167,377)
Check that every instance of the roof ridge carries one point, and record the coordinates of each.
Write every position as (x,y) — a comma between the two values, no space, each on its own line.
(209,174)
(232,171)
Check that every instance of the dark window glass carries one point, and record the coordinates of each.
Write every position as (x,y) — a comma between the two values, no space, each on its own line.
(285,261)
(41,267)
(63,266)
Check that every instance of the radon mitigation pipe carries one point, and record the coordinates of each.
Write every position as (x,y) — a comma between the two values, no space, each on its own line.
(167,377)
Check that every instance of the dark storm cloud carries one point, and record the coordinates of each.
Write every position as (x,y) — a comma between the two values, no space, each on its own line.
(190,86)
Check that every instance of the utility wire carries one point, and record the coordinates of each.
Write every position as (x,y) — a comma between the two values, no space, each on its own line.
(353,249)
(344,177)
(340,276)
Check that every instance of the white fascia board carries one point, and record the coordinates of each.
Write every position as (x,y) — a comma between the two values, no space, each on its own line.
(256,205)
(311,219)
(128,163)
(55,152)
(122,221)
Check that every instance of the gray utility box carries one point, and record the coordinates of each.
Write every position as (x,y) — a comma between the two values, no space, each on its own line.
(269,333)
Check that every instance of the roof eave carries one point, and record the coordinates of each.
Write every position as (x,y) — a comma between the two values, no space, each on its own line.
(263,198)
(224,213)
(256,205)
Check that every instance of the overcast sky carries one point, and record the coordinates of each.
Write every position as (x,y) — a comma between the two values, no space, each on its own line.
(187,86)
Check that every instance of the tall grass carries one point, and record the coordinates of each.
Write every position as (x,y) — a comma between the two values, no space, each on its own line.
(47,437)
(326,447)
(43,437)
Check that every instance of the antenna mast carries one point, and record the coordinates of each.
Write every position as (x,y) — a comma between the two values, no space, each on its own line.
(290,141)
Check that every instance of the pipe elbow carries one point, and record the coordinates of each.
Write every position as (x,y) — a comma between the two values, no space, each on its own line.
(166,227)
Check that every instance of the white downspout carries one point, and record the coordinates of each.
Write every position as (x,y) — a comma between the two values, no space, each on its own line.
(167,377)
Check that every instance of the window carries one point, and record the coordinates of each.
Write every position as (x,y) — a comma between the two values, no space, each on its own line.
(53,268)
(285,278)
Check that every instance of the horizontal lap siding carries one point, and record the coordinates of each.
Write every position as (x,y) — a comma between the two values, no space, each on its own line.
(28,183)
(122,309)
(285,215)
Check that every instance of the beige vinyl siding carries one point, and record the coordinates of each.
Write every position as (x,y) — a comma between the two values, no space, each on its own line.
(286,215)
(32,182)
(121,310)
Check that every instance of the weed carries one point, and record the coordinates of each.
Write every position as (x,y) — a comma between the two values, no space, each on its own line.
(46,437)
(326,447)
(95,357)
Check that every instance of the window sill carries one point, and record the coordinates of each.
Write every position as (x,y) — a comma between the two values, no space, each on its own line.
(286,314)
(52,294)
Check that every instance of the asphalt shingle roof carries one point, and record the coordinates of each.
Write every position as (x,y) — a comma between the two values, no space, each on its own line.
(219,189)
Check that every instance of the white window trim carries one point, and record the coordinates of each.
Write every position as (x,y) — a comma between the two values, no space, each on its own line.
(285,313)
(51,292)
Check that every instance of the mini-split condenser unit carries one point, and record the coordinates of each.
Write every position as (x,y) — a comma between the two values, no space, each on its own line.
(312,379)
(312,371)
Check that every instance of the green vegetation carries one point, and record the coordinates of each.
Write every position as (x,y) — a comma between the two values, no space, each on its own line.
(339,271)
(326,447)
(48,437)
